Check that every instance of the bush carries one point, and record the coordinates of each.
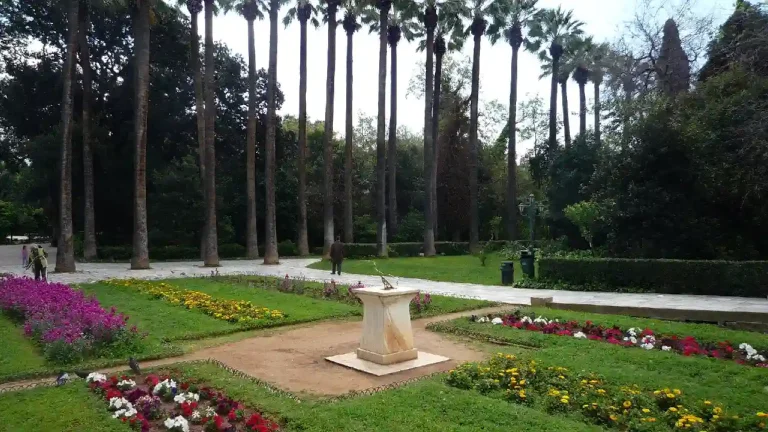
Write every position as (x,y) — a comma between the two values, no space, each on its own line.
(174,252)
(229,250)
(287,248)
(728,278)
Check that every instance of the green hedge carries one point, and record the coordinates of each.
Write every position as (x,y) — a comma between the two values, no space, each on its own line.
(166,253)
(726,278)
(410,249)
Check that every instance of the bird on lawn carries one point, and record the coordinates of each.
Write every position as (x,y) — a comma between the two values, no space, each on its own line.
(134,365)
(82,374)
(62,378)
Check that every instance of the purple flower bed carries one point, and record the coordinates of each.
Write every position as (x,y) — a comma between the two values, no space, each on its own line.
(69,325)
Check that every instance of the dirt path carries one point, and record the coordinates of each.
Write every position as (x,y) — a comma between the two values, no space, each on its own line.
(294,359)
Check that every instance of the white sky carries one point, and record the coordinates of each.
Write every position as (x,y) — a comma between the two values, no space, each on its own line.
(602,19)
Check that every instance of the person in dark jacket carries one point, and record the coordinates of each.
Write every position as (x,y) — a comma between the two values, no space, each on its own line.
(337,255)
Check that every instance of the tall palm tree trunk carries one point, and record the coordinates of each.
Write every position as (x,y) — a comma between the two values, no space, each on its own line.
(393,37)
(430,22)
(582,109)
(440,49)
(303,238)
(212,247)
(252,235)
(140,258)
(195,7)
(330,81)
(515,41)
(478,28)
(65,254)
(555,50)
(566,112)
(597,112)
(270,242)
(350,25)
(381,149)
(89,237)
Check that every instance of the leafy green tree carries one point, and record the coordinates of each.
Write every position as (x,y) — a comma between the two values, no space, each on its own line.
(586,215)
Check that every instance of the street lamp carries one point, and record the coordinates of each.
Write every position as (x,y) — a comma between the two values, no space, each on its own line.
(531,207)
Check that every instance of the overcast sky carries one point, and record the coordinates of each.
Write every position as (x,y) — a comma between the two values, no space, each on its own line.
(603,20)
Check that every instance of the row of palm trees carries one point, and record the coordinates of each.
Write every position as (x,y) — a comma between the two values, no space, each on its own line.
(439,25)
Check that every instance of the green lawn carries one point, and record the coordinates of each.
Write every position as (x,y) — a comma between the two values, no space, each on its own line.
(733,385)
(62,409)
(19,353)
(462,268)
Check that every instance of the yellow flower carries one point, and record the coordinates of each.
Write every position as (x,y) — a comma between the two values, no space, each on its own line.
(673,409)
(670,395)
(762,414)
(646,410)
(564,400)
(613,417)
(717,410)
(627,404)
(677,392)
(706,402)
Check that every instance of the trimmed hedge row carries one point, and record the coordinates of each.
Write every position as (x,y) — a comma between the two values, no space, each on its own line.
(410,249)
(724,278)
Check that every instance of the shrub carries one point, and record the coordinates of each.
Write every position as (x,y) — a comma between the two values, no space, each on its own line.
(287,248)
(230,250)
(729,278)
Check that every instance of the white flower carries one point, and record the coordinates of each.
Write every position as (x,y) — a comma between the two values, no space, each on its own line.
(632,331)
(125,412)
(126,384)
(95,377)
(580,335)
(541,320)
(648,340)
(186,397)
(633,339)
(168,385)
(178,423)
(117,403)
(666,348)
(496,321)
(526,320)
(482,319)
(648,346)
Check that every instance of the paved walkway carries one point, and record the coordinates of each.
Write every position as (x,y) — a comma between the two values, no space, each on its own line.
(91,272)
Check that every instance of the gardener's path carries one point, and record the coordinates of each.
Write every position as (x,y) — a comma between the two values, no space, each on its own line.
(90,272)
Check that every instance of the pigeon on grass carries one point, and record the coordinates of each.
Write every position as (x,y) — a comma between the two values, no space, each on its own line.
(134,365)
(62,378)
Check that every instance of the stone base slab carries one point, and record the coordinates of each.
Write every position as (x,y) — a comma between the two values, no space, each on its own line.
(352,361)
(387,359)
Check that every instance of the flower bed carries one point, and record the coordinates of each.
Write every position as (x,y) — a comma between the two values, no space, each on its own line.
(633,337)
(69,325)
(161,403)
(558,390)
(235,311)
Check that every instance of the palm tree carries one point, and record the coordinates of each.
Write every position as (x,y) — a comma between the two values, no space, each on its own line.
(520,16)
(429,19)
(478,14)
(599,66)
(581,59)
(195,7)
(251,10)
(331,7)
(141,29)
(270,242)
(350,27)
(383,7)
(211,247)
(394,32)
(89,237)
(569,61)
(551,27)
(65,254)
(305,12)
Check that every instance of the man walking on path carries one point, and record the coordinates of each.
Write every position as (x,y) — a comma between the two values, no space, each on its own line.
(337,255)
(38,260)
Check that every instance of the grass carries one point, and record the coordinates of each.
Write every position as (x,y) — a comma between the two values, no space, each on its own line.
(62,409)
(19,353)
(462,268)
(733,385)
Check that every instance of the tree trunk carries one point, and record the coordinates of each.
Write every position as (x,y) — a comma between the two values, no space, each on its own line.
(582,109)
(512,151)
(65,253)
(194,60)
(381,145)
(330,81)
(429,222)
(89,237)
(597,113)
(553,106)
(566,112)
(212,247)
(435,136)
(303,239)
(252,235)
(270,241)
(348,216)
(140,259)
(474,231)
(392,145)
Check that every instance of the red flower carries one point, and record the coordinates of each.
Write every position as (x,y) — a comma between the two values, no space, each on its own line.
(647,332)
(113,393)
(113,379)
(218,420)
(589,323)
(518,325)
(152,380)
(184,386)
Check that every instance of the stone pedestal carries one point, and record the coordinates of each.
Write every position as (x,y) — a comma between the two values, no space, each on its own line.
(386,345)
(387,335)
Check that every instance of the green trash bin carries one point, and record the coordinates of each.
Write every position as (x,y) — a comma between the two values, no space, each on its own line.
(507,272)
(526,262)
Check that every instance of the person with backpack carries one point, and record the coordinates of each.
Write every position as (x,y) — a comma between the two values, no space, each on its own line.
(38,260)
